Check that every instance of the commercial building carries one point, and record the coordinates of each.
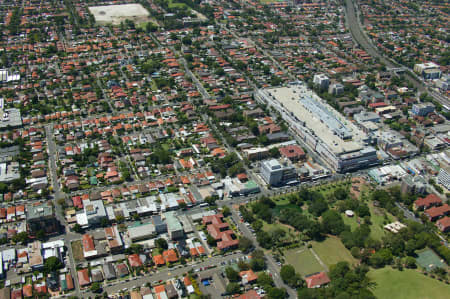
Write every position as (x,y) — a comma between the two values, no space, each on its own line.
(412,184)
(336,89)
(292,152)
(340,144)
(9,172)
(422,109)
(366,116)
(93,213)
(444,177)
(234,187)
(321,81)
(257,153)
(141,232)
(42,217)
(276,174)
(7,76)
(174,227)
(429,70)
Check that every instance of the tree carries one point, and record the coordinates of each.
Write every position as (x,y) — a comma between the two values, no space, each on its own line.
(226,211)
(277,293)
(318,207)
(52,264)
(265,280)
(21,238)
(161,243)
(243,266)
(381,258)
(233,288)
(210,240)
(96,287)
(410,262)
(232,274)
(245,244)
(40,235)
(340,194)
(77,228)
(257,264)
(104,222)
(332,222)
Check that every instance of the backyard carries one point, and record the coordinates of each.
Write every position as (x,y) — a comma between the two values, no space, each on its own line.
(407,284)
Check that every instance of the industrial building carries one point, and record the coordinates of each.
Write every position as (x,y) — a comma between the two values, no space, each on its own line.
(340,144)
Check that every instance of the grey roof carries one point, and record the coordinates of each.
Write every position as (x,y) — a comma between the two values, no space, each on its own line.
(42,210)
(109,271)
(173,224)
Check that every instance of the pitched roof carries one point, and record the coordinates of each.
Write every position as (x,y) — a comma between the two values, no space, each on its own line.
(317,280)
(158,260)
(438,211)
(431,199)
(83,277)
(134,260)
(252,294)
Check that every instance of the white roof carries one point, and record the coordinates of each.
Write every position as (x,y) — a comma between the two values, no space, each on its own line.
(82,219)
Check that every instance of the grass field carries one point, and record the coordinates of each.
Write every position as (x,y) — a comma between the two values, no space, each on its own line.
(77,251)
(407,284)
(331,251)
(175,4)
(303,261)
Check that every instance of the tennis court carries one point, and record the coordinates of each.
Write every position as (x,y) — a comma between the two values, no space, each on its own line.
(429,260)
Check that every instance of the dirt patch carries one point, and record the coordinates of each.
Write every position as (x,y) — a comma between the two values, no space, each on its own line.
(357,184)
(115,14)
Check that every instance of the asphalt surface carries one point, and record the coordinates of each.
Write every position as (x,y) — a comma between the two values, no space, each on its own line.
(68,236)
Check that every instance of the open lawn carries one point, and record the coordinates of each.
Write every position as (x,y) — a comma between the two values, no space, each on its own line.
(77,251)
(407,284)
(328,189)
(331,251)
(273,226)
(175,4)
(303,261)
(376,229)
(378,221)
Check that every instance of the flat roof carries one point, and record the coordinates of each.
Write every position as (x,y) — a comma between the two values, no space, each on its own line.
(319,117)
(173,224)
(42,210)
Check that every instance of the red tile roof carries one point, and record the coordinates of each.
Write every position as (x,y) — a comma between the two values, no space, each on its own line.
(158,260)
(435,212)
(443,224)
(248,275)
(317,280)
(430,200)
(134,260)
(170,256)
(83,277)
(252,294)
(88,243)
